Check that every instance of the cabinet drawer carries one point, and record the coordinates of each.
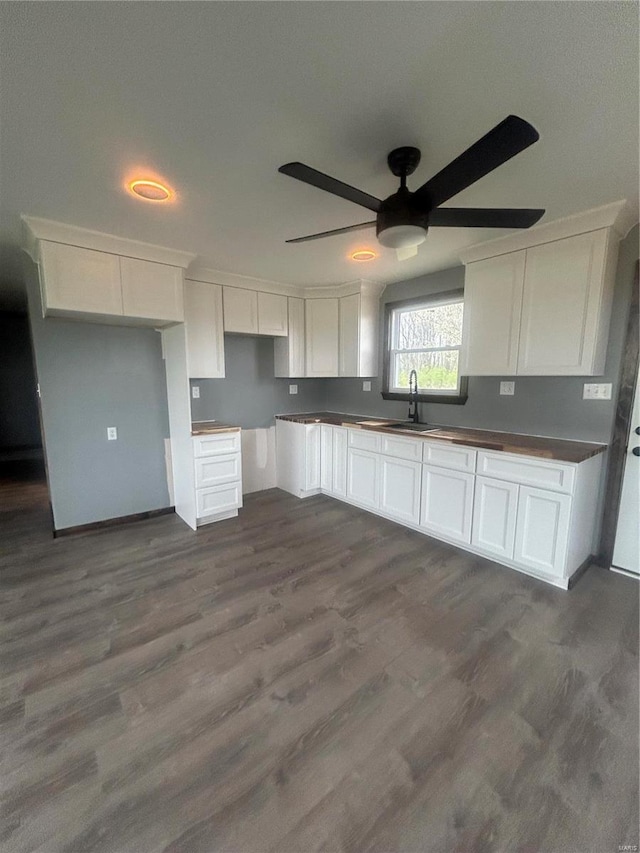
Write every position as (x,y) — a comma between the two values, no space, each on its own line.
(403,448)
(218,499)
(527,470)
(447,456)
(215,470)
(365,440)
(216,444)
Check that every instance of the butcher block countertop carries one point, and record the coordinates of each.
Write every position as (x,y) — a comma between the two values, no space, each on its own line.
(209,427)
(559,449)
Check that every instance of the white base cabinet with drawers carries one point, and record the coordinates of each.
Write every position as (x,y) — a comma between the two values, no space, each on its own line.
(531,514)
(218,476)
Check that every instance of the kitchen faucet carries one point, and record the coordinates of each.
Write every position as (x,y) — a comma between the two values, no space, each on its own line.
(413,397)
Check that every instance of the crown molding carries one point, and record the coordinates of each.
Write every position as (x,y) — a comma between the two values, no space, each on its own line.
(36,229)
(231,279)
(617,216)
(319,291)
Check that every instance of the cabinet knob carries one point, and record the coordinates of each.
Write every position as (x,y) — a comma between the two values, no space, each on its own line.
(637,430)
(636,451)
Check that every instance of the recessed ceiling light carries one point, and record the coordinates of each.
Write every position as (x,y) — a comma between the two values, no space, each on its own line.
(363,255)
(150,190)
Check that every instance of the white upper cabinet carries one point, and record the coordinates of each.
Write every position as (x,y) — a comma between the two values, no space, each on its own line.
(288,360)
(204,326)
(272,314)
(492,305)
(240,310)
(359,332)
(566,307)
(75,280)
(151,290)
(100,278)
(322,340)
(538,303)
(251,312)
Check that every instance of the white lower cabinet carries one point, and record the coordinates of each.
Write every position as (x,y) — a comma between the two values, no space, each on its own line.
(218,475)
(447,503)
(400,489)
(298,457)
(363,477)
(532,514)
(542,530)
(494,517)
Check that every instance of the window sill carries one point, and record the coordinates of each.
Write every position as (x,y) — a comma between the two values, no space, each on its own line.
(452,399)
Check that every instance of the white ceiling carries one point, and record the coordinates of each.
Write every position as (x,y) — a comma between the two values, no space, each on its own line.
(215,96)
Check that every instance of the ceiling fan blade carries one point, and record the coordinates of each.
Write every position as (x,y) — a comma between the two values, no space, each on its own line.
(507,139)
(318,179)
(406,253)
(332,233)
(481,217)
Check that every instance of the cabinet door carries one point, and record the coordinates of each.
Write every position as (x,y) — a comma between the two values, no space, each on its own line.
(288,353)
(447,502)
(79,280)
(313,456)
(326,458)
(363,477)
(204,327)
(272,314)
(151,291)
(339,484)
(321,328)
(494,516)
(240,310)
(542,530)
(400,488)
(492,306)
(563,289)
(349,334)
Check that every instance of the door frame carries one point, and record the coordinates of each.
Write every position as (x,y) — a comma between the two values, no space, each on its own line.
(621,427)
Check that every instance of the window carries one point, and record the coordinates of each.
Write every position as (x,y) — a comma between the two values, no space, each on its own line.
(425,335)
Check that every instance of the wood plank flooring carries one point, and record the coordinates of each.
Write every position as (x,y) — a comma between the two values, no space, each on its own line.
(306,677)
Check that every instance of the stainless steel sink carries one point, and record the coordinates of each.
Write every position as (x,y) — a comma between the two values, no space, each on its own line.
(413,427)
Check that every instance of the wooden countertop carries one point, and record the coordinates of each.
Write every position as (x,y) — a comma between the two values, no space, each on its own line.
(207,427)
(559,449)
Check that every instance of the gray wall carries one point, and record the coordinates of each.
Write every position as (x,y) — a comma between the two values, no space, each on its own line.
(19,425)
(91,377)
(249,396)
(550,406)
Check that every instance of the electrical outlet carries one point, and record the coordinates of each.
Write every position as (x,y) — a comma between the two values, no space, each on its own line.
(195,392)
(293,389)
(508,388)
(366,386)
(112,434)
(597,391)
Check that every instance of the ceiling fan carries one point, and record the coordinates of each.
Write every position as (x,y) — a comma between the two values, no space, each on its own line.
(404,218)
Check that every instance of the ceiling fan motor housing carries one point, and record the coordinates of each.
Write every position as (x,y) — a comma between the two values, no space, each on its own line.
(400,210)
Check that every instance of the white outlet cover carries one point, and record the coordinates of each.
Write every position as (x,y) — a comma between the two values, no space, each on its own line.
(112,434)
(508,388)
(195,392)
(293,389)
(366,386)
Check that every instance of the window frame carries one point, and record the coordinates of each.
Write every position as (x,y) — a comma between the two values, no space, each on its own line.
(428,300)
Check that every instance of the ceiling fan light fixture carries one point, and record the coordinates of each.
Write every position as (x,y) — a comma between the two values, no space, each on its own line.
(402,236)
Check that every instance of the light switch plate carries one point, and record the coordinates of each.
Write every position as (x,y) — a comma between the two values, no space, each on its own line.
(293,389)
(195,392)
(508,388)
(112,433)
(597,391)
(366,386)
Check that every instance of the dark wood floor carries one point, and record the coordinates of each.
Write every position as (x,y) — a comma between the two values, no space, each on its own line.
(306,677)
